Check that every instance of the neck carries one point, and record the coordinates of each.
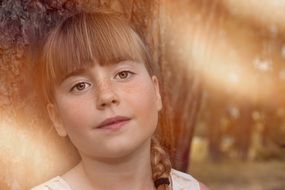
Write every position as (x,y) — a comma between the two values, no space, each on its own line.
(129,172)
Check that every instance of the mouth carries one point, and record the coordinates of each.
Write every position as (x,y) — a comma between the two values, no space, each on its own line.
(113,123)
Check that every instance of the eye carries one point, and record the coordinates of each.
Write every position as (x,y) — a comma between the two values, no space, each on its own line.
(80,86)
(124,75)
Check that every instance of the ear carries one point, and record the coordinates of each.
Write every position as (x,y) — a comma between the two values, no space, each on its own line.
(157,92)
(56,120)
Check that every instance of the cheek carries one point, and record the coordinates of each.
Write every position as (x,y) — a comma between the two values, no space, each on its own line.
(142,100)
(75,113)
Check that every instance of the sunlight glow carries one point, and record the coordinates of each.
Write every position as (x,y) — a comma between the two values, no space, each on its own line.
(29,153)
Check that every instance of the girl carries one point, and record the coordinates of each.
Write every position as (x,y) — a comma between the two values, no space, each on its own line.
(102,93)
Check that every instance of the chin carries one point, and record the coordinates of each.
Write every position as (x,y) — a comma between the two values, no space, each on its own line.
(121,150)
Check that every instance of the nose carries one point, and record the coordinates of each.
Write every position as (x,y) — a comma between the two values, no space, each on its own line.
(106,96)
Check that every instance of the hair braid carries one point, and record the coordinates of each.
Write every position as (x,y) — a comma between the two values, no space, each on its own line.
(160,163)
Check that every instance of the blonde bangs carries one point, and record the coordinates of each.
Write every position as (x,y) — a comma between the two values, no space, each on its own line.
(85,39)
(88,38)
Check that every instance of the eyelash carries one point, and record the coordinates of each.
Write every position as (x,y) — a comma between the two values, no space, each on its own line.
(127,72)
(88,84)
(77,85)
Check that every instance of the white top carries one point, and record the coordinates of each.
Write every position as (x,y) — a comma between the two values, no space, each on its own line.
(179,181)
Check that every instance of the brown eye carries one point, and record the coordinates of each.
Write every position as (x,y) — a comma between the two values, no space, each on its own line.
(124,74)
(80,86)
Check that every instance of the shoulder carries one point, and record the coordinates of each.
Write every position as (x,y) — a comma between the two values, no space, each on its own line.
(182,180)
(56,183)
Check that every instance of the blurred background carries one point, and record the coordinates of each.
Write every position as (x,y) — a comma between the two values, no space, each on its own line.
(222,71)
(239,134)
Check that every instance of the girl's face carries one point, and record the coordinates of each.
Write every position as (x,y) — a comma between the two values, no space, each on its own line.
(122,94)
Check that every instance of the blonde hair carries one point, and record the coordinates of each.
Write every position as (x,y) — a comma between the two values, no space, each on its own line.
(103,37)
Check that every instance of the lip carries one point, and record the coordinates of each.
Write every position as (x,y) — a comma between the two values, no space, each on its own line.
(113,122)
